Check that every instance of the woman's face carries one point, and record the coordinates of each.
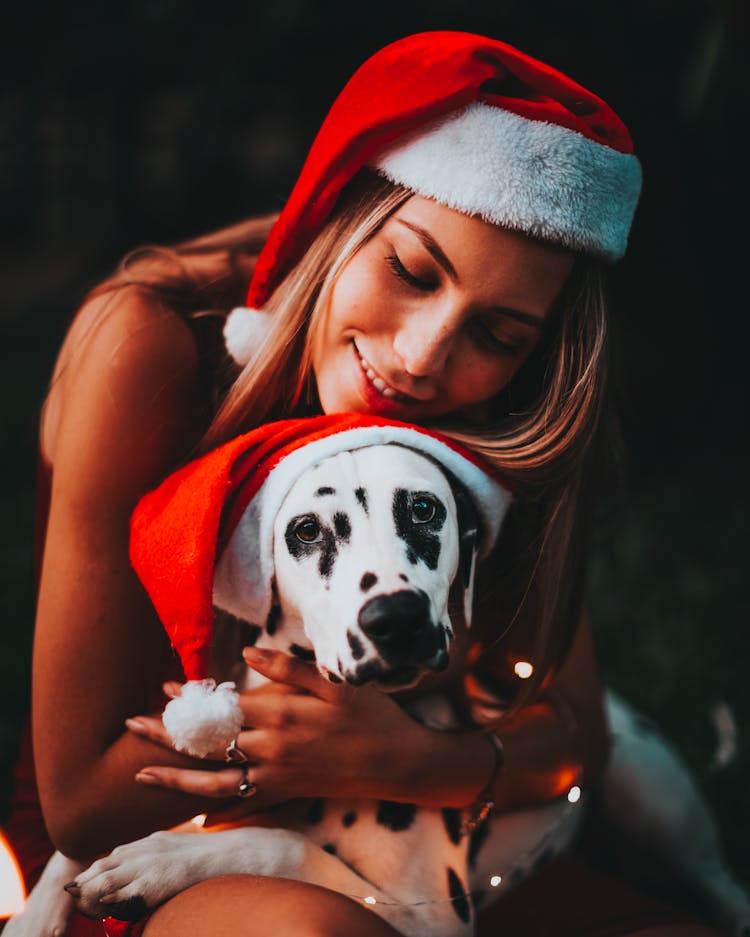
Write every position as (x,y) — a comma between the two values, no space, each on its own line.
(434,315)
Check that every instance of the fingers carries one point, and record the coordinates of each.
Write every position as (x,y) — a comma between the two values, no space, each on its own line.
(283,668)
(223,783)
(151,728)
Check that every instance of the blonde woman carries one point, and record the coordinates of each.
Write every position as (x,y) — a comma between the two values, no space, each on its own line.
(439,261)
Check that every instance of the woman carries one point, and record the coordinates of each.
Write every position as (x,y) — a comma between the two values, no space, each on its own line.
(438,261)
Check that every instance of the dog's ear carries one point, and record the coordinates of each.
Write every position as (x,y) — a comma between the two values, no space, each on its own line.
(469,540)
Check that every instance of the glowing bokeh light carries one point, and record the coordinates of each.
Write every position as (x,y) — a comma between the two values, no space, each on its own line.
(574,794)
(495,880)
(199,820)
(523,669)
(12,891)
(370,900)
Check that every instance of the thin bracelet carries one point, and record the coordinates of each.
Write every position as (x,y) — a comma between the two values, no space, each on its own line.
(484,802)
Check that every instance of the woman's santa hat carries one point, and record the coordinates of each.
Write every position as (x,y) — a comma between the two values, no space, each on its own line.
(476,125)
(178,530)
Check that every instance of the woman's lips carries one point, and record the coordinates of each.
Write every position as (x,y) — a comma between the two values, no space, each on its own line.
(377,382)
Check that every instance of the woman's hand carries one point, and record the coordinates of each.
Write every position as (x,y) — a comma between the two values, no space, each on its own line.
(304,737)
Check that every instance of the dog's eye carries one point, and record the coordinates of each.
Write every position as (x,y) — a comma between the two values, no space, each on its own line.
(308,530)
(422,510)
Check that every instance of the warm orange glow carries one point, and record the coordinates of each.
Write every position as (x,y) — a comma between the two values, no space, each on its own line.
(12,892)
(523,669)
(566,778)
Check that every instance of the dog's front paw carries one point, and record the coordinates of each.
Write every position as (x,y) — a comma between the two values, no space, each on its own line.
(135,878)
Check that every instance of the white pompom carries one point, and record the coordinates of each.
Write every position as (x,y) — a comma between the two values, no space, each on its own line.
(244,330)
(204,718)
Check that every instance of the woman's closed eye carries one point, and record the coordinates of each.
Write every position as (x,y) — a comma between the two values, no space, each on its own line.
(488,336)
(424,285)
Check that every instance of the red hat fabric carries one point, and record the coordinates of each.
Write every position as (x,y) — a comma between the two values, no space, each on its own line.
(177,531)
(478,125)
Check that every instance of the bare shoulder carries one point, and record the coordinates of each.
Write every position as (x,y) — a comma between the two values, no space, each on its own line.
(124,395)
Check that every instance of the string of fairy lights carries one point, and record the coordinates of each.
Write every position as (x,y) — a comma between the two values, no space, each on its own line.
(573,797)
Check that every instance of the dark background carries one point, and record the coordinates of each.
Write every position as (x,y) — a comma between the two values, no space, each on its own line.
(154,121)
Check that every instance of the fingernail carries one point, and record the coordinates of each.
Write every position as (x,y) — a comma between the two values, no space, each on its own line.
(71,887)
(135,725)
(143,777)
(256,654)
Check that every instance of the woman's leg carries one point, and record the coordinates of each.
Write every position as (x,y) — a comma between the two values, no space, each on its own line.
(252,906)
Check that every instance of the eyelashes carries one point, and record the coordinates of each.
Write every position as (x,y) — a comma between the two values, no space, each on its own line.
(483,333)
(425,286)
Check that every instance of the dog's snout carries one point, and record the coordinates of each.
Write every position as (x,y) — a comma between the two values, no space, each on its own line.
(390,618)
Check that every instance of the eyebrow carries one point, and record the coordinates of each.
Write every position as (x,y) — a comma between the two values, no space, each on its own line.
(432,246)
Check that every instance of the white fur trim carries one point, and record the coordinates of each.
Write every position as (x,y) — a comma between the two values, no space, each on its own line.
(205,718)
(528,175)
(246,591)
(244,330)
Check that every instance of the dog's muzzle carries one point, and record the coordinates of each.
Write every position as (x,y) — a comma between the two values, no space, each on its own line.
(403,634)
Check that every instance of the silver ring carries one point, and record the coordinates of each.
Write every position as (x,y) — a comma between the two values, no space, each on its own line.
(234,754)
(246,787)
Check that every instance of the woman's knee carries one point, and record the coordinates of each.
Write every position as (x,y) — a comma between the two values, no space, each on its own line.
(252,906)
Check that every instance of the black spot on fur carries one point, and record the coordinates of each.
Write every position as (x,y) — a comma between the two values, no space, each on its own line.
(476,841)
(468,526)
(329,848)
(325,491)
(349,818)
(357,648)
(325,545)
(395,816)
(334,678)
(342,526)
(315,811)
(458,897)
(422,541)
(303,653)
(403,576)
(367,582)
(452,822)
(250,634)
(361,495)
(273,619)
(129,909)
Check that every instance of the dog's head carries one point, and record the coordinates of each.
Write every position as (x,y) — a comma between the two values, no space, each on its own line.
(366,546)
(363,571)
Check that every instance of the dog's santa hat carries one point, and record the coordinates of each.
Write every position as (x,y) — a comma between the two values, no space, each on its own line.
(476,125)
(178,530)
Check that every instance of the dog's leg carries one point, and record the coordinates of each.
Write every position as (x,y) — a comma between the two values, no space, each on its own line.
(138,876)
(658,820)
(48,906)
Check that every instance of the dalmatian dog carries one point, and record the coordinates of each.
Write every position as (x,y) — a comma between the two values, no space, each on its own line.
(366,546)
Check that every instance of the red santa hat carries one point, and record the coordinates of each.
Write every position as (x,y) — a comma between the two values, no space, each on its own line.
(178,530)
(476,125)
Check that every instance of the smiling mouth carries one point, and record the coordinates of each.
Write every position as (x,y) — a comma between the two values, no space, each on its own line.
(377,382)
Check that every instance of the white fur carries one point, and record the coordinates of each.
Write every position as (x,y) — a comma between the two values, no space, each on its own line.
(245,570)
(528,175)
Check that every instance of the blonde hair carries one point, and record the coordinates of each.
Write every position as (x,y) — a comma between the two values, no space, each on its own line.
(547,431)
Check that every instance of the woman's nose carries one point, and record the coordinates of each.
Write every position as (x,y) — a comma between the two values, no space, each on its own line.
(424,343)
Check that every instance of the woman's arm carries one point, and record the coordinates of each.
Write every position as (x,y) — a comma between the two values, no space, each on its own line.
(340,741)
(122,411)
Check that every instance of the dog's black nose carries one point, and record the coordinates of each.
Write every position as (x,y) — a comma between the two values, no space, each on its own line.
(398,619)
